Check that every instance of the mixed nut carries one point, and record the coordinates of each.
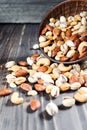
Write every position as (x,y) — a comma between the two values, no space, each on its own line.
(65,39)
(45,76)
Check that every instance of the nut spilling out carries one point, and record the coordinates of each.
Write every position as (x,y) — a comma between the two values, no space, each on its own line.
(65,39)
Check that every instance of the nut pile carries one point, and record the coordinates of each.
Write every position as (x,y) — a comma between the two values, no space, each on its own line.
(65,39)
(37,74)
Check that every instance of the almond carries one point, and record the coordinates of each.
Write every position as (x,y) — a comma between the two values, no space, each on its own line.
(44,30)
(64,58)
(68,33)
(73,37)
(75,56)
(23,63)
(42,69)
(35,104)
(26,86)
(77,42)
(20,72)
(35,56)
(5,91)
(40,81)
(84,34)
(54,51)
(50,28)
(83,38)
(39,87)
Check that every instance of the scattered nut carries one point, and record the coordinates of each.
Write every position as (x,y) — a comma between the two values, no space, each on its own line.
(35,104)
(5,91)
(68,101)
(51,109)
(15,99)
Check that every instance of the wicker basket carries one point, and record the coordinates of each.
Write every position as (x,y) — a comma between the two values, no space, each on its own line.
(66,8)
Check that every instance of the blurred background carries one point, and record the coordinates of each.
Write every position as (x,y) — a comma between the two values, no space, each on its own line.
(25,11)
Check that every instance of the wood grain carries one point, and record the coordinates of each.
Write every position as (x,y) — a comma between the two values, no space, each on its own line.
(25,11)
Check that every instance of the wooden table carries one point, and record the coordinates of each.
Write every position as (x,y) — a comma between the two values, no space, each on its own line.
(16,41)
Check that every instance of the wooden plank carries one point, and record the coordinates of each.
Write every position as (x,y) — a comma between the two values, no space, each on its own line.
(24,12)
(28,1)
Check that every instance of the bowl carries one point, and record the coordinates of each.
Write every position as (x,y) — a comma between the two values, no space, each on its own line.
(66,9)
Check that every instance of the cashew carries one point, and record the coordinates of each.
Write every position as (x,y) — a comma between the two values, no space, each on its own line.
(64,87)
(35,67)
(43,61)
(51,109)
(83,90)
(80,97)
(70,53)
(20,80)
(62,67)
(54,76)
(81,46)
(68,101)
(44,44)
(49,88)
(15,98)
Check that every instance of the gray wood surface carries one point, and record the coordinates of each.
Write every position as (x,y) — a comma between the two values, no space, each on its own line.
(25,11)
(15,44)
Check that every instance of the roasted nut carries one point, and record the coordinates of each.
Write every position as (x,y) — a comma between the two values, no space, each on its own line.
(56,31)
(15,99)
(64,58)
(42,69)
(20,80)
(64,87)
(80,97)
(81,46)
(39,87)
(5,91)
(55,51)
(62,67)
(26,86)
(68,101)
(83,90)
(68,32)
(23,63)
(51,109)
(44,44)
(43,61)
(35,56)
(20,72)
(35,104)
